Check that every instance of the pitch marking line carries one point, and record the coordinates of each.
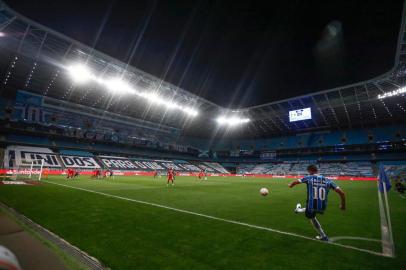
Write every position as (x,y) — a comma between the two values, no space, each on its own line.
(221,219)
(338,238)
(149,187)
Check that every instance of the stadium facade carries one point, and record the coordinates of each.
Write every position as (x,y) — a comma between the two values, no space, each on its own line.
(123,115)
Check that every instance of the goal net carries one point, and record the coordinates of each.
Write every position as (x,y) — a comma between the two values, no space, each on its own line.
(31,171)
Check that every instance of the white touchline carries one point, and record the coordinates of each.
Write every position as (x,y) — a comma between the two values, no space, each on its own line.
(221,219)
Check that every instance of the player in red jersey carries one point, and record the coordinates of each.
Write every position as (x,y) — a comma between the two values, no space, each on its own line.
(96,174)
(45,172)
(201,174)
(69,173)
(171,177)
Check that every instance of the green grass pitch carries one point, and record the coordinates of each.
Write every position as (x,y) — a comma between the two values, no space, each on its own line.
(126,234)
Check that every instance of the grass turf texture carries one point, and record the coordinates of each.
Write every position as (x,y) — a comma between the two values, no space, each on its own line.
(128,235)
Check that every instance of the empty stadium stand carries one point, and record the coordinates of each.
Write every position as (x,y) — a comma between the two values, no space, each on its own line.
(85,134)
(362,169)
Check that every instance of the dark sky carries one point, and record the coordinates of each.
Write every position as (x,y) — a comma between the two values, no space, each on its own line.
(235,53)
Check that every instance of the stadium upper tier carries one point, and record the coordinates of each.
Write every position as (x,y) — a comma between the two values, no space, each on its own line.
(40,60)
(40,114)
(374,144)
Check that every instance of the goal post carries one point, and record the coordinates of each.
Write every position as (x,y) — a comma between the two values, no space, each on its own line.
(31,171)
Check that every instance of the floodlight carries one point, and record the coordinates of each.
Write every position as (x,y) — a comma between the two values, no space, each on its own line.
(190,111)
(117,85)
(80,73)
(397,92)
(171,105)
(231,121)
(154,98)
(221,120)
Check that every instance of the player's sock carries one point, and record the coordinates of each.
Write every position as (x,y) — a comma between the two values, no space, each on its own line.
(317,226)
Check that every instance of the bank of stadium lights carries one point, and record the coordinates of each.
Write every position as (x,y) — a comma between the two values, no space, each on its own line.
(397,92)
(117,85)
(81,74)
(232,121)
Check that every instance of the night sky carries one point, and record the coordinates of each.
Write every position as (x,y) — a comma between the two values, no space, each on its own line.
(235,53)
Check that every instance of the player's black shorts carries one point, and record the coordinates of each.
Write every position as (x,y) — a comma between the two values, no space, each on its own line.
(311,213)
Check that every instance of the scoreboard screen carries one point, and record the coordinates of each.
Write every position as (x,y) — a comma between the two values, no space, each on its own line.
(298,115)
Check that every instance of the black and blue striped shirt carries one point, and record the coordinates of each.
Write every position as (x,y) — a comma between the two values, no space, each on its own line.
(317,191)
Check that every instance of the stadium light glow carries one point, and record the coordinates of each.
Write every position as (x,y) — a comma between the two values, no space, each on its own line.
(155,98)
(189,111)
(397,92)
(232,121)
(117,85)
(80,73)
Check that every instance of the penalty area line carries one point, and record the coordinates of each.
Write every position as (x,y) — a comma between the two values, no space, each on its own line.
(221,219)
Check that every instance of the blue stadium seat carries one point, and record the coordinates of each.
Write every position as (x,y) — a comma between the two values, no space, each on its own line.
(76,153)
(357,136)
(25,139)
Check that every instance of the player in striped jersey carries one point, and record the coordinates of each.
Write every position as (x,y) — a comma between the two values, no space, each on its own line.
(317,191)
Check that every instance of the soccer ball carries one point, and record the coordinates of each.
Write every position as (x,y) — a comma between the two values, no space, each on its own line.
(264,191)
(8,260)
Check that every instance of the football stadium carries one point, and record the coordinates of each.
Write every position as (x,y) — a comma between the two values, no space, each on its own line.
(107,166)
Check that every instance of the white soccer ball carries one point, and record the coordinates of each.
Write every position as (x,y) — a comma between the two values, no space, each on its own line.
(8,261)
(264,191)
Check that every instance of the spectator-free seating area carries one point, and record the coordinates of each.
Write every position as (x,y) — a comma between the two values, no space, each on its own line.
(362,169)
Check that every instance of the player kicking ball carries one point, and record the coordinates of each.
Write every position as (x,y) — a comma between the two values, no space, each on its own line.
(317,191)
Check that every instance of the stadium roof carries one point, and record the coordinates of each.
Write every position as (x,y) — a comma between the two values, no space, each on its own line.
(37,59)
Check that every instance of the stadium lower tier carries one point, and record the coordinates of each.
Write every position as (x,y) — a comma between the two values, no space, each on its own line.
(26,172)
(25,157)
(18,159)
(332,168)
